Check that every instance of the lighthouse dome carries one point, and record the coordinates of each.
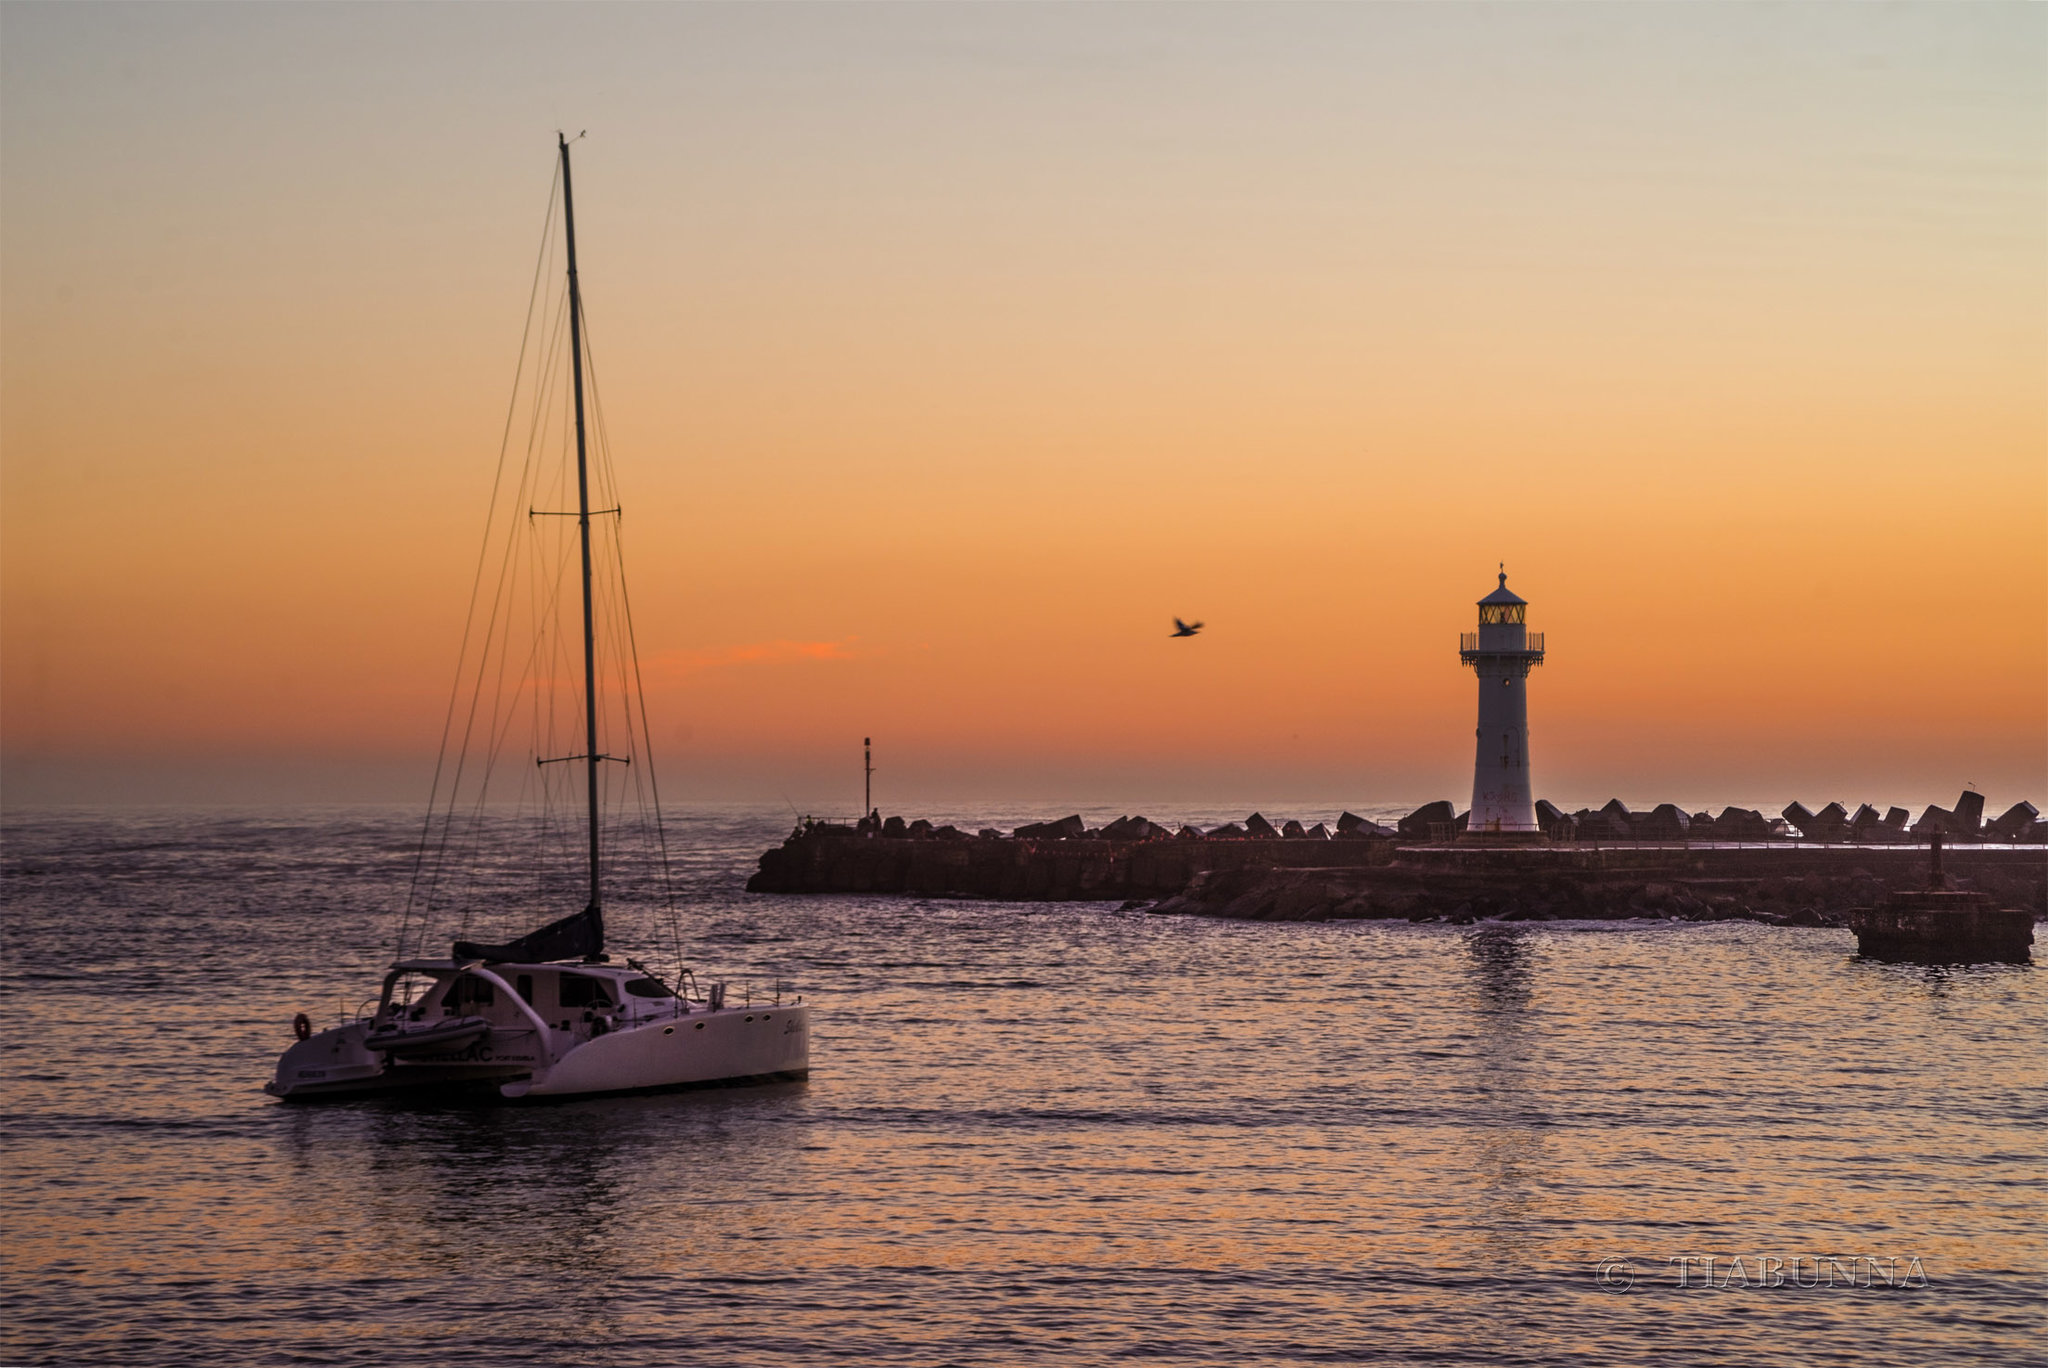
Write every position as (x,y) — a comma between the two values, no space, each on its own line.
(1502,594)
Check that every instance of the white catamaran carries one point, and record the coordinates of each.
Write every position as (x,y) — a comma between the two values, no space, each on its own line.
(547,1015)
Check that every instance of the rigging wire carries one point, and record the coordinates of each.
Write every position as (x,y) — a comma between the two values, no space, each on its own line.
(483,553)
(632,645)
(500,600)
(503,718)
(535,571)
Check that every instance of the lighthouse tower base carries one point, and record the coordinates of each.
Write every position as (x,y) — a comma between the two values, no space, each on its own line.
(1502,838)
(1502,804)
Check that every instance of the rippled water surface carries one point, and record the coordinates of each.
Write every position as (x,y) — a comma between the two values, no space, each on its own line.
(1038,1133)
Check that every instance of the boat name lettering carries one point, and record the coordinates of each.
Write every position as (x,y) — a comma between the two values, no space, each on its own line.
(479,1053)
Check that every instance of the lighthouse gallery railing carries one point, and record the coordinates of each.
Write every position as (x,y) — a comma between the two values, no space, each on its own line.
(1468,644)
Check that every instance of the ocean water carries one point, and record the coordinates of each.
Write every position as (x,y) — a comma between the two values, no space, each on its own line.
(1055,1133)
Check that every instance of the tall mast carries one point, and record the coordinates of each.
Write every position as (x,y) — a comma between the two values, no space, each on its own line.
(590,757)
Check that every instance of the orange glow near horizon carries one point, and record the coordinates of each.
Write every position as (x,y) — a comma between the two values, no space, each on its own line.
(946,358)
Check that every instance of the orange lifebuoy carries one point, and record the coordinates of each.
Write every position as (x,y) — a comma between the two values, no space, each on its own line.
(302,1026)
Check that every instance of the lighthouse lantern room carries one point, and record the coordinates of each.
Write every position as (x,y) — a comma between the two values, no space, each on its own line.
(1501,653)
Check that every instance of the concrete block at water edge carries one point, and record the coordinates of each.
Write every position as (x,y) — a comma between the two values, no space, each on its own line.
(1831,823)
(1416,825)
(2013,822)
(1592,825)
(1969,813)
(1619,817)
(1663,823)
(1065,829)
(1935,821)
(1352,826)
(1742,824)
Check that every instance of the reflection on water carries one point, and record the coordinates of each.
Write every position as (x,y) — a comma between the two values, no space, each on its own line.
(1510,1127)
(538,1190)
(1032,1133)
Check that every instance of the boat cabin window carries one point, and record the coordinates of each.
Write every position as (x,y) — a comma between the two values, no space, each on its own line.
(647,988)
(577,990)
(468,991)
(525,985)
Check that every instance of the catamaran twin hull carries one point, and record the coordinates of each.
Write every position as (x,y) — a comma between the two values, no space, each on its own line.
(544,1031)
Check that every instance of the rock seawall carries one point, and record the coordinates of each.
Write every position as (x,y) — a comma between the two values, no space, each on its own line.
(1361,873)
(1717,886)
(1051,869)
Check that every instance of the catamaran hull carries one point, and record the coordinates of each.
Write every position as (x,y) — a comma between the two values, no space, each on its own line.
(418,1084)
(703,1049)
(732,1047)
(338,1064)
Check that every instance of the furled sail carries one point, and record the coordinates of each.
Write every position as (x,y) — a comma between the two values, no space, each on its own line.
(577,936)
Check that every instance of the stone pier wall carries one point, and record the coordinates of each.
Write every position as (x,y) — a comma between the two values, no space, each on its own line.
(1013,869)
(1795,888)
(1311,879)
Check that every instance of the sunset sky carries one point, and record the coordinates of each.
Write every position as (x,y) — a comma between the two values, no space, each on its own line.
(948,352)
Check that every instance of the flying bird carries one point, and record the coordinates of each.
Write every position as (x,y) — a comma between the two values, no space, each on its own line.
(1181,629)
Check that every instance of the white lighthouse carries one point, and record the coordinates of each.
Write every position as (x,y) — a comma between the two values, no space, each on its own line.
(1502,652)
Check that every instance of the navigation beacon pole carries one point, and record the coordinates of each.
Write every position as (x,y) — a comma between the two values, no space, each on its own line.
(867,795)
(590,755)
(1502,652)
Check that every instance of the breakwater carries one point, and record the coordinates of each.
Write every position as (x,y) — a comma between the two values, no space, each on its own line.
(942,862)
(1257,870)
(1785,886)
